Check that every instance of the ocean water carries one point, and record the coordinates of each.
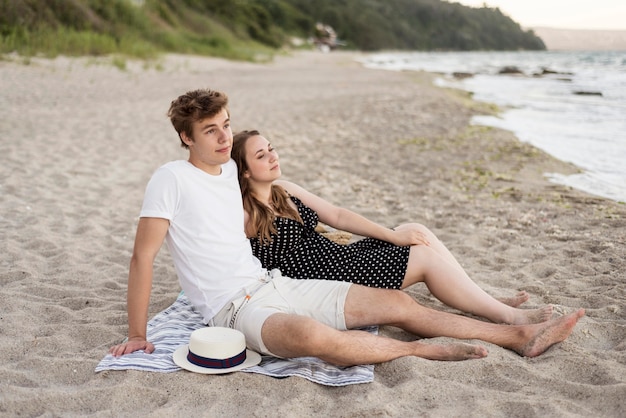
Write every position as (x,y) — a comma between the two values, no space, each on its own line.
(575,111)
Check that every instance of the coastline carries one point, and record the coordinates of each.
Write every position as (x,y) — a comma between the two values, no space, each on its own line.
(79,142)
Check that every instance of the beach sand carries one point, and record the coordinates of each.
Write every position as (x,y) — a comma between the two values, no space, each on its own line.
(80,138)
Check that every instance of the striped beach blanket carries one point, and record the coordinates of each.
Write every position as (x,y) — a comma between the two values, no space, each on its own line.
(172,327)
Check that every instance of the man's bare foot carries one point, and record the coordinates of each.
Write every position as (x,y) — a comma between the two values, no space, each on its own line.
(549,333)
(532,316)
(450,352)
(515,301)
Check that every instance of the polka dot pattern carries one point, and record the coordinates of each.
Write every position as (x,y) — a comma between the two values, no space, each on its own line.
(302,253)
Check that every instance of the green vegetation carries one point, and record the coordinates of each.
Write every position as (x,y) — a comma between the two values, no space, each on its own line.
(419,25)
(243,29)
(135,28)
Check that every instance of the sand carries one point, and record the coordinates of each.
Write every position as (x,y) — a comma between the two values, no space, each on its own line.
(80,138)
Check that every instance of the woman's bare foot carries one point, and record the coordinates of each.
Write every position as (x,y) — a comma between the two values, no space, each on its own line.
(517,316)
(545,335)
(515,301)
(450,352)
(531,316)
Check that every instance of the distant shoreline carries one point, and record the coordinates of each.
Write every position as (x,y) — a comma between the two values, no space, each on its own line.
(582,39)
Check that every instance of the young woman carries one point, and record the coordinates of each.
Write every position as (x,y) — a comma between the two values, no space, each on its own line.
(280,220)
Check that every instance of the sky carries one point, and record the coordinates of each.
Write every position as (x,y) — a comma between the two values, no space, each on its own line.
(563,14)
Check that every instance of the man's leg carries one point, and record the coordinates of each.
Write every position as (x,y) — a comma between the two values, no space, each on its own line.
(369,306)
(290,336)
(296,318)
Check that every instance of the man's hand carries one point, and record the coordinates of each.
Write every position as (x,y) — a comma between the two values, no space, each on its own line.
(131,346)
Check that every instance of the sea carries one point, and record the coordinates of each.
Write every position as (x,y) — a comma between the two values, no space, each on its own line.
(571,104)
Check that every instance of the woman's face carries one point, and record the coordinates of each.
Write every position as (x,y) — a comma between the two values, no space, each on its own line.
(262,160)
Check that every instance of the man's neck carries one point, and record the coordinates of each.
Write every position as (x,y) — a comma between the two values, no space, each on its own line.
(214,170)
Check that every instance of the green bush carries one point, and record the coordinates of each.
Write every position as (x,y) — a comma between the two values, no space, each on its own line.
(241,29)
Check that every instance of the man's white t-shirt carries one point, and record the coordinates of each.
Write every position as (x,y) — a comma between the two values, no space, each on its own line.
(206,238)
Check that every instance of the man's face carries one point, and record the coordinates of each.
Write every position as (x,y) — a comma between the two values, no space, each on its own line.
(211,144)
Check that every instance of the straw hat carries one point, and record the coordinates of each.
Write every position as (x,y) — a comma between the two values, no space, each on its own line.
(215,350)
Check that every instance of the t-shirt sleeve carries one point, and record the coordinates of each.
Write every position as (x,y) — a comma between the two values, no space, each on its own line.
(161,196)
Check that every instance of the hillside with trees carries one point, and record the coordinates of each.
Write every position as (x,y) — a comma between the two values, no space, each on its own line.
(239,29)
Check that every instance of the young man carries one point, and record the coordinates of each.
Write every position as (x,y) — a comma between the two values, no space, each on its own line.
(196,207)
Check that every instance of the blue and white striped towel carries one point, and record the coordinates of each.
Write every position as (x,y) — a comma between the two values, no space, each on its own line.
(172,327)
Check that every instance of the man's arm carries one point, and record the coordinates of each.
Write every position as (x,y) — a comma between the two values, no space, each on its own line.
(150,235)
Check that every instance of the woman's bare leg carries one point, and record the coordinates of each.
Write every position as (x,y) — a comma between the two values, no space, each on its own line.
(445,278)
(515,301)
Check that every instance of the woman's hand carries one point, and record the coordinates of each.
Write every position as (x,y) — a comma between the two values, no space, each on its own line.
(409,234)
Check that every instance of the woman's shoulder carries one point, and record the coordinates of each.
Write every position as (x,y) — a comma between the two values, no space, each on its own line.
(289,187)
(281,184)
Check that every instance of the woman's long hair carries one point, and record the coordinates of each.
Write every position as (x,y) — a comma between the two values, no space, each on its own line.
(261,218)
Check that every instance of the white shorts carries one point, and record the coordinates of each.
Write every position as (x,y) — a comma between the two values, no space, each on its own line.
(322,300)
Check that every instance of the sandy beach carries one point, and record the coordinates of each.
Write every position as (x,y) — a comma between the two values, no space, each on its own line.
(80,138)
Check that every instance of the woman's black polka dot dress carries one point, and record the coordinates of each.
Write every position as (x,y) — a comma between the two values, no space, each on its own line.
(299,252)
